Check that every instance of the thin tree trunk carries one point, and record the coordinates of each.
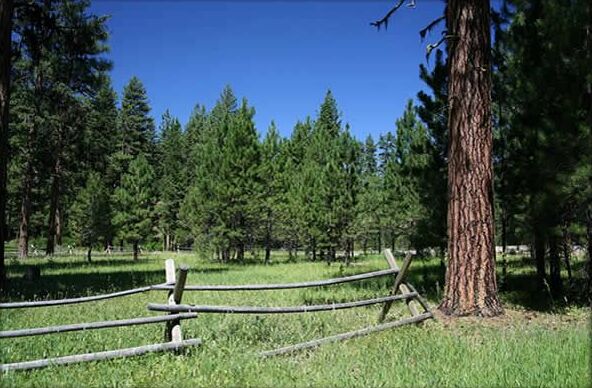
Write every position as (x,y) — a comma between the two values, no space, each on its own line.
(5,58)
(25,209)
(539,256)
(566,245)
(379,241)
(53,206)
(135,247)
(589,263)
(88,253)
(471,287)
(555,283)
(268,243)
(59,226)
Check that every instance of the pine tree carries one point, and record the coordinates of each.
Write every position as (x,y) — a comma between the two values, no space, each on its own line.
(134,203)
(544,165)
(100,130)
(220,206)
(136,134)
(90,213)
(367,223)
(270,171)
(172,181)
(433,111)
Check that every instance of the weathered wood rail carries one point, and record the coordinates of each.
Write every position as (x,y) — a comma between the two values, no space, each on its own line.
(174,341)
(399,291)
(175,285)
(277,310)
(280,286)
(93,325)
(83,299)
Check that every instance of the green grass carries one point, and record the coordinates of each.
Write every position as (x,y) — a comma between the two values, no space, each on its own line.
(532,345)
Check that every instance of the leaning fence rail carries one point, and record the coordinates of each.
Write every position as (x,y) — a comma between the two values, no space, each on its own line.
(107,355)
(83,299)
(93,325)
(277,310)
(280,286)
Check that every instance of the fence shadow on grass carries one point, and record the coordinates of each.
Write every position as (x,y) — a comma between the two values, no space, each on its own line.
(77,284)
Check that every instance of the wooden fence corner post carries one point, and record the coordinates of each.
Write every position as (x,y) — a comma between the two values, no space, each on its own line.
(398,279)
(173,328)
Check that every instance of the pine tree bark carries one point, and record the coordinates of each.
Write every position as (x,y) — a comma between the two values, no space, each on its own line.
(5,48)
(471,287)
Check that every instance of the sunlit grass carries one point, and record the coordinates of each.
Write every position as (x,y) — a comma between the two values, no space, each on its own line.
(523,348)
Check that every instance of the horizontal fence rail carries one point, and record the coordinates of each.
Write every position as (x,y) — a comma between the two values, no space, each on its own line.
(281,286)
(276,310)
(346,336)
(83,299)
(129,352)
(94,325)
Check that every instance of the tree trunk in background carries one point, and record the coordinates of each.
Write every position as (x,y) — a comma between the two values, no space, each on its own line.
(56,191)
(539,256)
(26,208)
(53,206)
(471,287)
(379,241)
(88,253)
(5,58)
(135,247)
(566,245)
(59,226)
(589,263)
(268,243)
(554,268)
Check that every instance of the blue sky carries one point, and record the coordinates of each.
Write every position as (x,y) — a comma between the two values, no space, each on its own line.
(281,55)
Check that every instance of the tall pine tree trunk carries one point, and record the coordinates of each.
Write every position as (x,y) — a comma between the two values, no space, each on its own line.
(25,214)
(56,189)
(53,206)
(5,49)
(566,246)
(539,255)
(59,226)
(471,287)
(554,267)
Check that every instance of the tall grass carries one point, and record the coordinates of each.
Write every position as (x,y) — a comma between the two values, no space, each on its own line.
(527,347)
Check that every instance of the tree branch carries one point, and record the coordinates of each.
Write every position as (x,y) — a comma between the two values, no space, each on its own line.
(429,27)
(386,17)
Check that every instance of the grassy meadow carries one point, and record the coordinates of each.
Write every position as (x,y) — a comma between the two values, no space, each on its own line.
(537,342)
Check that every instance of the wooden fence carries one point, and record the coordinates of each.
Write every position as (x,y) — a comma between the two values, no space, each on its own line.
(173,338)
(175,285)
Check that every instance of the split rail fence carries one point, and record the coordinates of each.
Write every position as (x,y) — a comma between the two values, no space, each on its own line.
(176,284)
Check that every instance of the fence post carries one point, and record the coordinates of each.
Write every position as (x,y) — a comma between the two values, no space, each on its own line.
(173,328)
(398,280)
